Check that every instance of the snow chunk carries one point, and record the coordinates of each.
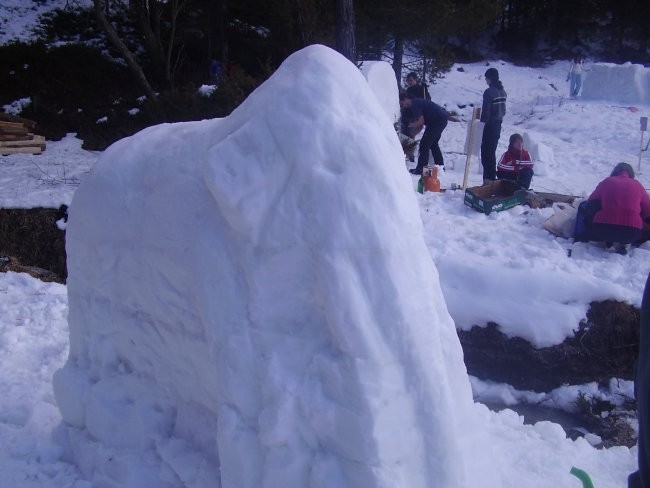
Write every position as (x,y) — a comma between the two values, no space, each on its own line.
(207,90)
(247,313)
(17,106)
(382,81)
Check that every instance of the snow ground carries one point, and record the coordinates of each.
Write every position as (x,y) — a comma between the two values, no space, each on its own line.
(498,268)
(19,18)
(506,266)
(34,341)
(45,180)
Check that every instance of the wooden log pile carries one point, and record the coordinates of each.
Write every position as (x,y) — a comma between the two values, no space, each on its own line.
(16,136)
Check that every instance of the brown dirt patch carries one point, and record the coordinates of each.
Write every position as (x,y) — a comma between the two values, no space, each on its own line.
(31,238)
(605,346)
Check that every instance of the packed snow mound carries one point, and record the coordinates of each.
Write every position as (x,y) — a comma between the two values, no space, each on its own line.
(252,304)
(383,83)
(621,83)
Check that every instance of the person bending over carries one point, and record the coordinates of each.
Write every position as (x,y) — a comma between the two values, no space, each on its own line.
(516,164)
(434,118)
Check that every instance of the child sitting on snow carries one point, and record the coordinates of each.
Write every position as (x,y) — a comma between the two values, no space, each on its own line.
(516,164)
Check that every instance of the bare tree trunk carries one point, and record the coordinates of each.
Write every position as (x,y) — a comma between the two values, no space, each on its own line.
(398,56)
(176,9)
(132,63)
(148,14)
(345,40)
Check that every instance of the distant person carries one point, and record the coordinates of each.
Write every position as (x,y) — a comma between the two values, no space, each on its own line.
(434,118)
(619,206)
(416,89)
(641,478)
(215,70)
(575,76)
(516,164)
(494,108)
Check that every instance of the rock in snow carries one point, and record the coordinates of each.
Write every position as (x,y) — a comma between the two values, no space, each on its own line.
(252,303)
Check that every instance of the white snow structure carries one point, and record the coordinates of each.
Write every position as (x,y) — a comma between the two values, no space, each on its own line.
(620,83)
(540,153)
(252,304)
(381,78)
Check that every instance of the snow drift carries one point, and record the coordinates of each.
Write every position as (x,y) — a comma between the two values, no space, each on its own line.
(626,83)
(252,303)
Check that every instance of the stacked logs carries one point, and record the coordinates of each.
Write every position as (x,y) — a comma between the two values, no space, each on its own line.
(16,136)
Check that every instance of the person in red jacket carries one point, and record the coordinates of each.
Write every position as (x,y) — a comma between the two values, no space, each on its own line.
(622,207)
(516,164)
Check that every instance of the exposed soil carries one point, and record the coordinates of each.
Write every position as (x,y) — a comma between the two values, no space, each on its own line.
(30,240)
(605,346)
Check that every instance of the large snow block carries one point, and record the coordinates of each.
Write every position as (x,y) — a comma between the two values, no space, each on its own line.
(383,83)
(620,83)
(252,304)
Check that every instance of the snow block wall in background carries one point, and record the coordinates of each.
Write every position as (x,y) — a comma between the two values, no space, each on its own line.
(626,83)
(381,78)
(252,303)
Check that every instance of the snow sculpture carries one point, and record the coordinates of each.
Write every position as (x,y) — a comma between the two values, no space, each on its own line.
(252,303)
(381,78)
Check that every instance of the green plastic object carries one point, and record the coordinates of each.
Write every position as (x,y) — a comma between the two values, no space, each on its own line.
(582,476)
(421,185)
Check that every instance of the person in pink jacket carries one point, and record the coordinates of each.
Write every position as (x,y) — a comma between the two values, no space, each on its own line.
(621,207)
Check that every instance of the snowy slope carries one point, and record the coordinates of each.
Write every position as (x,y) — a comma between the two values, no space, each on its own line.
(19,18)
(46,180)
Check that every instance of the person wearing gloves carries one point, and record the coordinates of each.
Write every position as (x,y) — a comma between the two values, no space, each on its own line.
(516,164)
(575,76)
(494,108)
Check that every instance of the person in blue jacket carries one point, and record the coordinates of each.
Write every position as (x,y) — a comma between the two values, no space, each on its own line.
(494,108)
(434,117)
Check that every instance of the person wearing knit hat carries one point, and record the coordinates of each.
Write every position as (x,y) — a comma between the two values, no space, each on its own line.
(494,108)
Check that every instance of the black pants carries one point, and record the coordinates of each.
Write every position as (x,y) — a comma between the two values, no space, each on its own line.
(523,178)
(621,234)
(641,479)
(491,134)
(429,142)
